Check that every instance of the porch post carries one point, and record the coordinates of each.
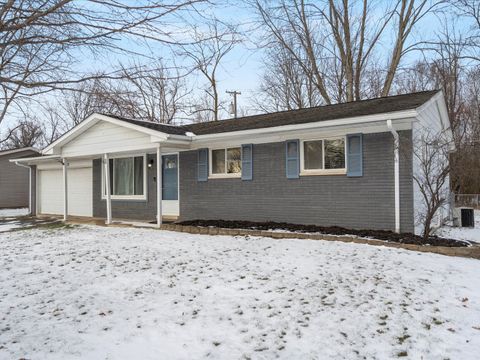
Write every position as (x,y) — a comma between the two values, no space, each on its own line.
(159,186)
(106,171)
(65,190)
(396,167)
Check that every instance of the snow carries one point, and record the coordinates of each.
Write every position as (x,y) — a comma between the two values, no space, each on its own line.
(460,233)
(13,212)
(123,293)
(8,219)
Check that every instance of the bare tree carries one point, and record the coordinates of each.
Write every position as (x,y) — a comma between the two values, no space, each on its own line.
(470,9)
(336,41)
(284,84)
(100,96)
(447,65)
(209,48)
(159,94)
(26,133)
(41,41)
(431,150)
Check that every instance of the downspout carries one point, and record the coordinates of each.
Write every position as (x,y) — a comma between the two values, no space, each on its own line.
(396,157)
(29,185)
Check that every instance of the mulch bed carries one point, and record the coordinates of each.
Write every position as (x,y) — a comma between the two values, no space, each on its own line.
(404,238)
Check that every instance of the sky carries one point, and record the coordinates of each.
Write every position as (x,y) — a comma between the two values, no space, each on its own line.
(242,68)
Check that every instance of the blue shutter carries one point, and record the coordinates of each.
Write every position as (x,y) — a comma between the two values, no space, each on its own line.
(202,165)
(247,162)
(292,155)
(354,155)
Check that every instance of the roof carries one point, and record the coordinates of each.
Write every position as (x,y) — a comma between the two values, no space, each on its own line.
(379,105)
(14,151)
(314,114)
(165,128)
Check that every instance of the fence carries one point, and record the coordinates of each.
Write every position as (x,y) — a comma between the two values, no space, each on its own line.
(469,200)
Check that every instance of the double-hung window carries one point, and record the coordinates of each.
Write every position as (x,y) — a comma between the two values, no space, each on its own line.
(325,156)
(226,162)
(127,178)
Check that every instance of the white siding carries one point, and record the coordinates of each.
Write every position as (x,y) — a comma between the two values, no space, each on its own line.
(105,137)
(429,123)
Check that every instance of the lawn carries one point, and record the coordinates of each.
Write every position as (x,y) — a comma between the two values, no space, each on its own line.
(121,293)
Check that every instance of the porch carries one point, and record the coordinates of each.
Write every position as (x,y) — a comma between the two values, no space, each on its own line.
(118,187)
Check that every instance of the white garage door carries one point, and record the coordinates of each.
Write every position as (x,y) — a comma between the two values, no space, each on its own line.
(79,192)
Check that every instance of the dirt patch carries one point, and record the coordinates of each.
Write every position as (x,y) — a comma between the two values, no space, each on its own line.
(403,238)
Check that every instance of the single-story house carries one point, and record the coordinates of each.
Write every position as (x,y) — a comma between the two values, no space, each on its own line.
(15,180)
(348,165)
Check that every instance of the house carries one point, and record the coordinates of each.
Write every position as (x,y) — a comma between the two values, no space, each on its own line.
(15,180)
(347,164)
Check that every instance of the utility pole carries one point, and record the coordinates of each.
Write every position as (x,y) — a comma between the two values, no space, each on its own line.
(234,93)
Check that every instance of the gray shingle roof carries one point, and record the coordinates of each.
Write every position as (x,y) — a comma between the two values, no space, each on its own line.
(320,113)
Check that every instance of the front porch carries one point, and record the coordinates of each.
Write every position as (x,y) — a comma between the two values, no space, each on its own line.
(125,187)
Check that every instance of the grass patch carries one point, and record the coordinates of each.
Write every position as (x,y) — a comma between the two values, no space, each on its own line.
(56,225)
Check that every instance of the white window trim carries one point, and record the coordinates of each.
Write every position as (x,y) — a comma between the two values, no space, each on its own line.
(127,197)
(225,175)
(310,172)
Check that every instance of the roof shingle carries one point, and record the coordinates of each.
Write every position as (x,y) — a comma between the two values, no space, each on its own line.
(320,113)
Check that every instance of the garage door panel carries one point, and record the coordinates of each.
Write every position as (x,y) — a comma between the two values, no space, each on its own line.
(79,191)
(51,192)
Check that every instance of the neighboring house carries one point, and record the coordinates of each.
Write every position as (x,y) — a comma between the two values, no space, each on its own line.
(328,165)
(15,180)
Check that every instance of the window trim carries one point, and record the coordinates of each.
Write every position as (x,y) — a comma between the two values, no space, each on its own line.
(309,172)
(225,175)
(126,197)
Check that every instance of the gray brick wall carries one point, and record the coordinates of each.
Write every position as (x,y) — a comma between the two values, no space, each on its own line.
(14,181)
(359,203)
(126,209)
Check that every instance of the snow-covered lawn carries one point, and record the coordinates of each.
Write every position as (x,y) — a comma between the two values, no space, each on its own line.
(462,233)
(123,293)
(13,212)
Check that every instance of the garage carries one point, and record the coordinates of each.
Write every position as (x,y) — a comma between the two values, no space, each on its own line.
(50,190)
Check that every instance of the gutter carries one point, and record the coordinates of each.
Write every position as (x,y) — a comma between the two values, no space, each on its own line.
(358,120)
(396,157)
(34,160)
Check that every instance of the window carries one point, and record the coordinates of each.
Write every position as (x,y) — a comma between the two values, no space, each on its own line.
(323,156)
(127,178)
(226,162)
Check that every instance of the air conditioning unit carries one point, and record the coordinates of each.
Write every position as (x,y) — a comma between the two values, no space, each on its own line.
(463,217)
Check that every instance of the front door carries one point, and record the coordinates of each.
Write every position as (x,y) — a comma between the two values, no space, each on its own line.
(170,204)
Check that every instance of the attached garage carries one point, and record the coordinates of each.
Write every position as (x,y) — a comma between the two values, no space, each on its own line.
(50,190)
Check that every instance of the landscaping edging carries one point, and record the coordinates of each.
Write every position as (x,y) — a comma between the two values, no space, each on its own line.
(467,252)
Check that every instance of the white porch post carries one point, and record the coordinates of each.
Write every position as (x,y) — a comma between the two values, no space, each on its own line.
(65,190)
(106,171)
(396,159)
(159,186)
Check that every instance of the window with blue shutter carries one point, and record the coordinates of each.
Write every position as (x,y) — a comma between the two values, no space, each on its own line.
(247,162)
(354,155)
(202,164)
(292,153)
